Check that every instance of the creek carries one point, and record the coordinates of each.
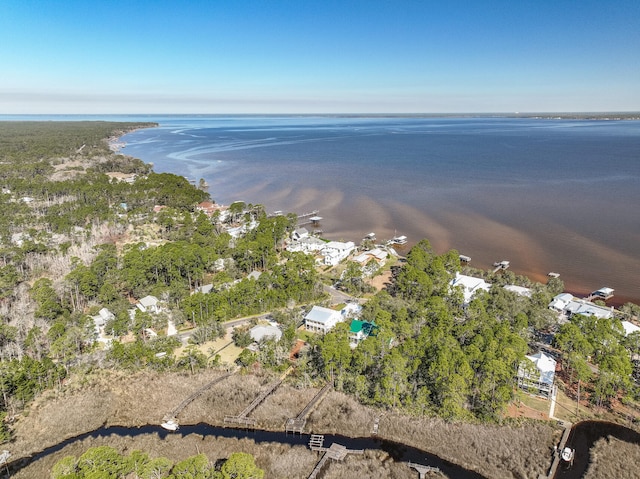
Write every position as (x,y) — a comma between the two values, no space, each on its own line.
(582,438)
(399,452)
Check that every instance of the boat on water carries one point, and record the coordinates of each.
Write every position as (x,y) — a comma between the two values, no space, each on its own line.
(567,455)
(370,236)
(170,425)
(399,240)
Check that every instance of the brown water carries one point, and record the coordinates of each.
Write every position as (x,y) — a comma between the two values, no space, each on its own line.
(547,195)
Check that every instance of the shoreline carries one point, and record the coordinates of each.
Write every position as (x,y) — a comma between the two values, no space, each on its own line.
(586,263)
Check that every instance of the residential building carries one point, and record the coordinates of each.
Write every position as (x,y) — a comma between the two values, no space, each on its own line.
(567,305)
(470,286)
(260,332)
(519,290)
(359,331)
(149,304)
(537,373)
(322,320)
(336,251)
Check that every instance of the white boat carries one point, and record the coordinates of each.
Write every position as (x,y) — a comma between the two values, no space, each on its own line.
(567,455)
(399,240)
(170,425)
(370,236)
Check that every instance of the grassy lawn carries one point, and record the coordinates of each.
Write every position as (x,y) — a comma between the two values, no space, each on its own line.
(533,402)
(566,408)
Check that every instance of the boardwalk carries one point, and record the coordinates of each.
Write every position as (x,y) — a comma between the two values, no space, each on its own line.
(173,414)
(297,423)
(242,418)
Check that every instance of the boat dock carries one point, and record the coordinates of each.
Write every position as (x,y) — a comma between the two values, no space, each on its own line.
(423,470)
(171,417)
(297,424)
(336,451)
(242,419)
(498,265)
(310,218)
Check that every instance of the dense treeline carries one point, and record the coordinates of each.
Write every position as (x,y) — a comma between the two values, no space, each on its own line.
(434,355)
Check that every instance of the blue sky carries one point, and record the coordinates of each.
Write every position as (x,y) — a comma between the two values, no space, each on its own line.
(273,56)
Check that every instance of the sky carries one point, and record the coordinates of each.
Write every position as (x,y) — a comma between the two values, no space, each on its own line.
(307,56)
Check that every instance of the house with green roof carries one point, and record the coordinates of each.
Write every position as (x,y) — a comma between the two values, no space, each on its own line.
(361,330)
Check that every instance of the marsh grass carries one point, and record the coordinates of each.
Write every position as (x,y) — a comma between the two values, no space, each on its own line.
(519,450)
(613,458)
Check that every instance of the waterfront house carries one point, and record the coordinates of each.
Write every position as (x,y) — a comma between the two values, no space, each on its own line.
(322,320)
(470,286)
(629,328)
(566,305)
(336,251)
(308,245)
(299,234)
(519,290)
(536,374)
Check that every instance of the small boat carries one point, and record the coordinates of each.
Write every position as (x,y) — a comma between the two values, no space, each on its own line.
(567,455)
(399,240)
(370,236)
(170,425)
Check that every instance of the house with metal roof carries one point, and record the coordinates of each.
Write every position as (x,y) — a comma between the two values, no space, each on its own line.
(470,286)
(322,320)
(567,305)
(360,330)
(537,373)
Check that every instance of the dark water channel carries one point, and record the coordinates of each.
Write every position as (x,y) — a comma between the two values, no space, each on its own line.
(582,438)
(399,452)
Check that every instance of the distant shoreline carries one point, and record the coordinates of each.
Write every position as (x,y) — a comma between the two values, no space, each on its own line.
(603,116)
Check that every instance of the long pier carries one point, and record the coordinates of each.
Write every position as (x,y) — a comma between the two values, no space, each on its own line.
(242,418)
(172,415)
(558,452)
(297,424)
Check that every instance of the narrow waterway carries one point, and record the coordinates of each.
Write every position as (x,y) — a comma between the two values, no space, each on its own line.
(399,452)
(582,438)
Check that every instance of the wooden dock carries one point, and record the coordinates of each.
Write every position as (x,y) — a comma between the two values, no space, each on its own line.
(297,424)
(173,414)
(498,265)
(423,470)
(242,419)
(558,452)
(336,451)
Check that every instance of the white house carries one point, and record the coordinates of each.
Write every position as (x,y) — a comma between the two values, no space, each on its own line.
(629,328)
(321,319)
(336,251)
(469,285)
(149,304)
(567,305)
(300,233)
(260,332)
(519,290)
(204,289)
(308,245)
(538,377)
(377,255)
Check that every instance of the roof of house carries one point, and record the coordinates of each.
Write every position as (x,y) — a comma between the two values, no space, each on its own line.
(546,365)
(519,290)
(149,301)
(259,332)
(321,315)
(365,326)
(629,328)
